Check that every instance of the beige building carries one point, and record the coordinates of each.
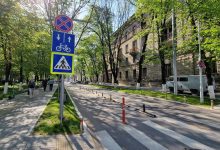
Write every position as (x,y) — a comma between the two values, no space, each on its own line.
(151,71)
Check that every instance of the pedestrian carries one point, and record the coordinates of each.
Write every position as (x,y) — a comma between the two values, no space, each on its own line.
(44,84)
(50,82)
(31,86)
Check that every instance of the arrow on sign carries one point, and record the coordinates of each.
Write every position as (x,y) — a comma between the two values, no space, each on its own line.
(69,38)
(58,37)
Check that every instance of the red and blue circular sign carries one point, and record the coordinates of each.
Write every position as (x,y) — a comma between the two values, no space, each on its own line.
(63,23)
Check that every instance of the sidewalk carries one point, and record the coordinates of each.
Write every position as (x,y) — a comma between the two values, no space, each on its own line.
(17,119)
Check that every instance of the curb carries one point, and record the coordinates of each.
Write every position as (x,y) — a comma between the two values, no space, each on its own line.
(86,130)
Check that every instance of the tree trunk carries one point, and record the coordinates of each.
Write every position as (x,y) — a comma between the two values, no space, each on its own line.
(142,55)
(21,72)
(142,58)
(163,39)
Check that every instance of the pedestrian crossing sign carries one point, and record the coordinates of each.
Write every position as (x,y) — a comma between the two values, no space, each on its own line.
(61,63)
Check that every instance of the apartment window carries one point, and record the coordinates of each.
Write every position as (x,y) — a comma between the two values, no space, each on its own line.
(126,74)
(134,45)
(134,30)
(134,74)
(120,75)
(144,72)
(133,59)
(126,60)
(126,48)
(126,35)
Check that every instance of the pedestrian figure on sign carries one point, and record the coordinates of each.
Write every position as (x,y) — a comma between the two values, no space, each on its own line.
(50,82)
(31,86)
(44,84)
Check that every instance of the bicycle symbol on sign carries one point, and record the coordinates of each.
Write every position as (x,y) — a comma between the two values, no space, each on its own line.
(62,47)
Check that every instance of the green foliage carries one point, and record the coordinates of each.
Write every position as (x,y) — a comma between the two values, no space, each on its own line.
(24,41)
(89,57)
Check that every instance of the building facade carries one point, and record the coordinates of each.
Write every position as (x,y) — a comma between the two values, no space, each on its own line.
(129,56)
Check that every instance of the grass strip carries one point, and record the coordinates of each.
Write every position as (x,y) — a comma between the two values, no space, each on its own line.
(193,100)
(49,122)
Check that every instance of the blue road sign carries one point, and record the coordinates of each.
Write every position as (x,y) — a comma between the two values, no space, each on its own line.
(61,63)
(63,23)
(63,42)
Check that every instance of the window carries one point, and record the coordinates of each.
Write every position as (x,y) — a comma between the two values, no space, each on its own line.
(133,59)
(134,45)
(126,60)
(120,75)
(134,30)
(126,74)
(134,73)
(183,79)
(144,72)
(126,35)
(126,48)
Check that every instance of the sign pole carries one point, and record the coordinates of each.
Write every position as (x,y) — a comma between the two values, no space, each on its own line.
(61,100)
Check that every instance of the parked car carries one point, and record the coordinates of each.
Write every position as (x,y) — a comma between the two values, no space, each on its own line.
(189,83)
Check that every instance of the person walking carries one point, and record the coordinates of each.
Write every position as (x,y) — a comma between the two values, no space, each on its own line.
(31,86)
(50,82)
(44,84)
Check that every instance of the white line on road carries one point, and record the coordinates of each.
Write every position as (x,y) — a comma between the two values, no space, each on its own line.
(206,122)
(198,129)
(181,138)
(107,141)
(143,139)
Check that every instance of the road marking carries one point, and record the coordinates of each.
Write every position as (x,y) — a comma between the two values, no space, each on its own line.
(107,141)
(143,139)
(196,128)
(181,138)
(206,122)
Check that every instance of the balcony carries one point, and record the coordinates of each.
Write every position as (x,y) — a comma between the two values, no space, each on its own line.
(134,51)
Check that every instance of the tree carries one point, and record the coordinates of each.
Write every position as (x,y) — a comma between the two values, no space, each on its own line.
(89,58)
(104,18)
(206,14)
(155,15)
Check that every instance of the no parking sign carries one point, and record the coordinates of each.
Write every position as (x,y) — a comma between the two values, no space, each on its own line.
(63,23)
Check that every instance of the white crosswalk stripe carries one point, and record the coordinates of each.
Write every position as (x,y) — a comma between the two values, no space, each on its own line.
(206,122)
(181,138)
(107,141)
(143,139)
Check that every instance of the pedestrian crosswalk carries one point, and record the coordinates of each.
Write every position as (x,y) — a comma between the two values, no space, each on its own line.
(109,143)
(143,138)
(181,138)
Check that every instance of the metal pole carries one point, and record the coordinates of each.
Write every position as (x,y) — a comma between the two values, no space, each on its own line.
(174,51)
(200,68)
(61,100)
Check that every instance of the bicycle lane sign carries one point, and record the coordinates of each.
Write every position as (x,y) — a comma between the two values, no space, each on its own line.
(63,42)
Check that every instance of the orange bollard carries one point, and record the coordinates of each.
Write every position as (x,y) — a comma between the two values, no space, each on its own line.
(123,110)
(81,125)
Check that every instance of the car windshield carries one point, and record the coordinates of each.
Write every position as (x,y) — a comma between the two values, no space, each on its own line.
(170,79)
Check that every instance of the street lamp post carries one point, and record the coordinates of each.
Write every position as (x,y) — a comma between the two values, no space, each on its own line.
(200,68)
(174,51)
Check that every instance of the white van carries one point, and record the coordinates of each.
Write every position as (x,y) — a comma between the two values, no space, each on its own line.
(189,83)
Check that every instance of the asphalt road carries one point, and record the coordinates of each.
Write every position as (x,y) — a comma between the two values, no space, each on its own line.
(176,127)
